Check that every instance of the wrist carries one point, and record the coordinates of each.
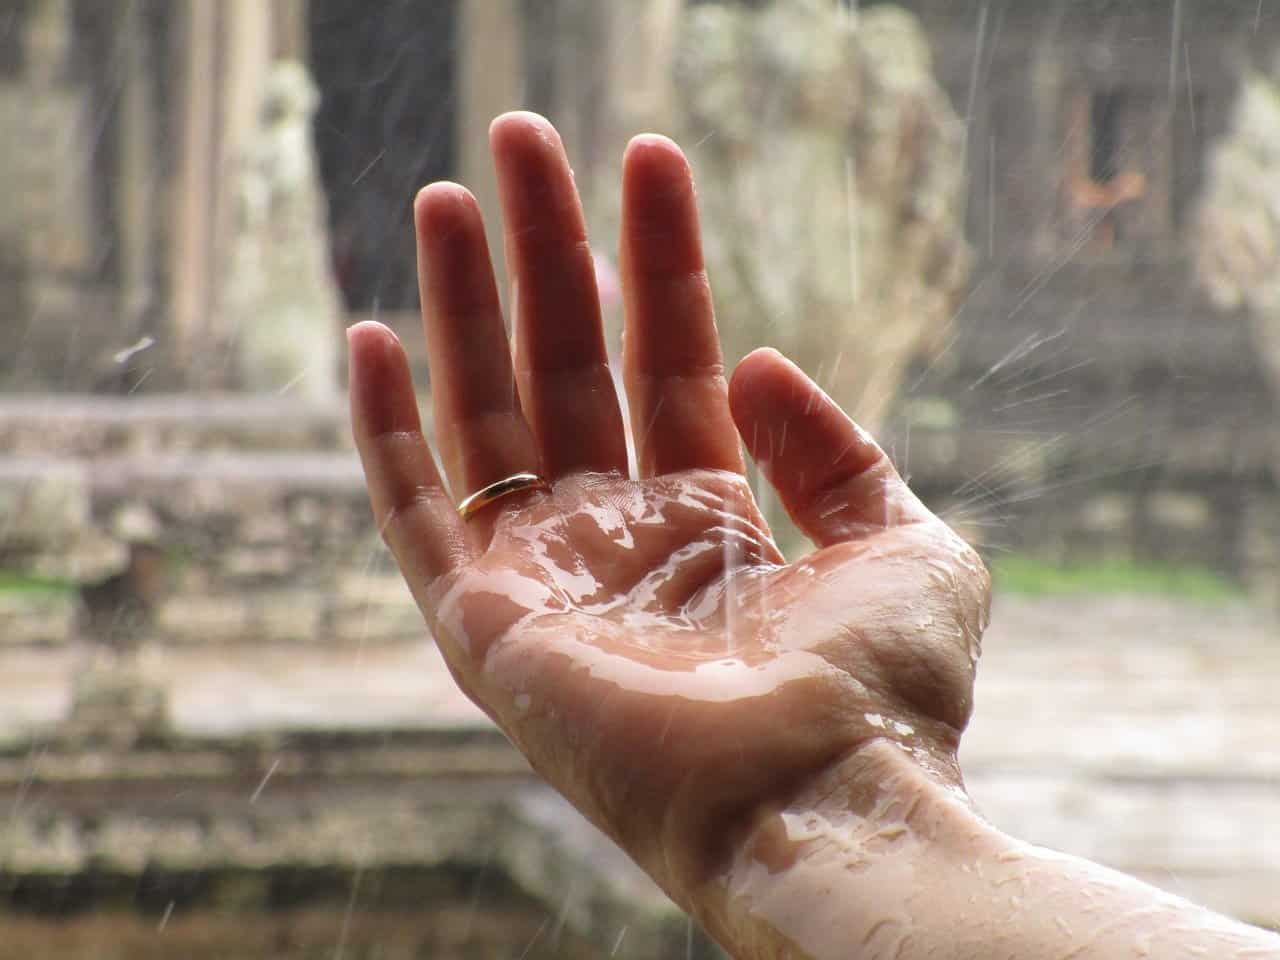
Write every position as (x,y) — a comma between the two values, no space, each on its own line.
(841,862)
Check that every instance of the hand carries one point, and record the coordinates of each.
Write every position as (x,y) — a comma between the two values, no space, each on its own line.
(643,641)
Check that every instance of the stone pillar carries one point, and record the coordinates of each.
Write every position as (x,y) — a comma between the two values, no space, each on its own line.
(192,249)
(223,54)
(491,80)
(244,60)
(248,49)
(1048,114)
(279,306)
(289,30)
(137,184)
(58,243)
(48,43)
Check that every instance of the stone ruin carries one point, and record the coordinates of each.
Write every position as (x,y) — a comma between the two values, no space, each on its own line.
(829,165)
(164,540)
(1238,223)
(255,507)
(839,235)
(282,306)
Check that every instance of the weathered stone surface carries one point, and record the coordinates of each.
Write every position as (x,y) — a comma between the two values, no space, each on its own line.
(204,619)
(36,617)
(48,255)
(837,234)
(45,507)
(247,548)
(349,805)
(1238,233)
(1134,730)
(115,701)
(1206,501)
(830,172)
(75,426)
(280,297)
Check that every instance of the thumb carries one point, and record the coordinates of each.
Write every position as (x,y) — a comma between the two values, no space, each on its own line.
(834,480)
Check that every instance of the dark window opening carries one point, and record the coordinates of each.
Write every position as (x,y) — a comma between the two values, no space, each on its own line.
(385,127)
(13,24)
(1104,118)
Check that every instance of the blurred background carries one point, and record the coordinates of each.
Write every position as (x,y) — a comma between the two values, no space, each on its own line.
(1033,244)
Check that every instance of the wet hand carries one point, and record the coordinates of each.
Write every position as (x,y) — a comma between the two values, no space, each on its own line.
(642,640)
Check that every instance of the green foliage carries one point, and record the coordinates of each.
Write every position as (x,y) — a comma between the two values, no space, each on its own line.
(22,583)
(1033,577)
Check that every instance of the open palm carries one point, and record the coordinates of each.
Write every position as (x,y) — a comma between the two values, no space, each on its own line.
(642,640)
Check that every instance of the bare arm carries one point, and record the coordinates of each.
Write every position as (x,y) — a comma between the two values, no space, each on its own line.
(910,870)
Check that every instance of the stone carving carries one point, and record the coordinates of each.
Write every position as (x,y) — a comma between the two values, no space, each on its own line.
(1236,242)
(1237,233)
(831,166)
(283,304)
(830,169)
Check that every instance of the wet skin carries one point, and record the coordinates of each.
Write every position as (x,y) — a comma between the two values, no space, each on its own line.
(642,640)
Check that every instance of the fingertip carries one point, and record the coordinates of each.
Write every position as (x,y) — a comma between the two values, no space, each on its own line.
(370,335)
(444,205)
(510,118)
(654,170)
(653,148)
(758,360)
(756,378)
(521,130)
(381,385)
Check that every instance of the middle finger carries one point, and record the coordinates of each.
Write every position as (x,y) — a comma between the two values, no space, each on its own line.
(562,365)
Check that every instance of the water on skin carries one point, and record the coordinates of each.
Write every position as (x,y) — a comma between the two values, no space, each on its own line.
(613,614)
(669,566)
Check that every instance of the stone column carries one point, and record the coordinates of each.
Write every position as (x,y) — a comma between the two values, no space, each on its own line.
(137,183)
(48,42)
(191,250)
(58,245)
(246,49)
(490,81)
(289,30)
(224,51)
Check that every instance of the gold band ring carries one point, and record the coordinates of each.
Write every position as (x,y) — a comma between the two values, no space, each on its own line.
(496,491)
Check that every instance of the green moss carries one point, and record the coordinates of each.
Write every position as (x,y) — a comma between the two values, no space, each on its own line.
(23,583)
(1033,577)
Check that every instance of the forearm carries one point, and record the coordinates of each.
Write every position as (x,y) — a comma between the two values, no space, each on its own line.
(908,870)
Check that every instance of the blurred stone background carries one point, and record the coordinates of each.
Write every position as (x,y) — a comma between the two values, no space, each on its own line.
(984,226)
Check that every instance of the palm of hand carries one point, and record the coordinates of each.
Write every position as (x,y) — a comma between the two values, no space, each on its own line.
(643,641)
(649,649)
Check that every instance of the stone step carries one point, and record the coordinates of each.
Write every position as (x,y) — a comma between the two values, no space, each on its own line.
(1137,732)
(86,426)
(245,547)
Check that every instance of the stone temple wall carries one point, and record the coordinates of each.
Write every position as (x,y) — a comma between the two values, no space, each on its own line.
(270,543)
(258,512)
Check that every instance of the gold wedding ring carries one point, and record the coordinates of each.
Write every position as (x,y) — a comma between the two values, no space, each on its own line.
(496,491)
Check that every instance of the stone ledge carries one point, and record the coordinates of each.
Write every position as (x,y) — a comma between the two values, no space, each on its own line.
(384,801)
(282,759)
(86,426)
